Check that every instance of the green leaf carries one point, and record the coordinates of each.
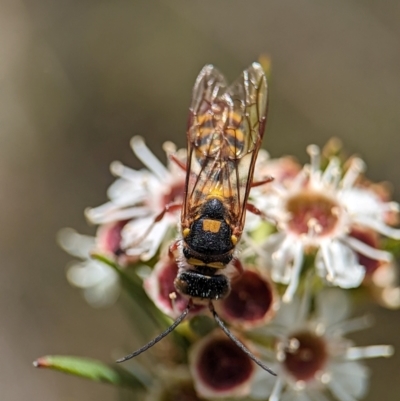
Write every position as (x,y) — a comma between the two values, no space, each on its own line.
(90,369)
(134,287)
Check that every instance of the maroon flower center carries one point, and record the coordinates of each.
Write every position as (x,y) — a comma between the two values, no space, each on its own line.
(166,284)
(305,356)
(312,213)
(250,298)
(180,392)
(370,238)
(110,237)
(223,366)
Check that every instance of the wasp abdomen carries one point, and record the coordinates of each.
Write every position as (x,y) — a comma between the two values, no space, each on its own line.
(201,286)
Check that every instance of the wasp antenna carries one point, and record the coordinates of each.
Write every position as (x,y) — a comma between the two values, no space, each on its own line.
(159,337)
(238,342)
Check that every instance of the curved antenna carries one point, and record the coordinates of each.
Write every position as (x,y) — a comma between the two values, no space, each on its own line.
(238,342)
(159,337)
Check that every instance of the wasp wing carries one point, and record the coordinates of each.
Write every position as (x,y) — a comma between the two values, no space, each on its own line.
(224,135)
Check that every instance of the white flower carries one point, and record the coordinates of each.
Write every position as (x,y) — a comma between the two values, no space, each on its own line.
(140,197)
(317,210)
(313,356)
(100,283)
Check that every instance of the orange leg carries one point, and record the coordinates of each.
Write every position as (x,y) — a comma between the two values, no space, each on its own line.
(172,250)
(252,209)
(265,181)
(171,207)
(178,162)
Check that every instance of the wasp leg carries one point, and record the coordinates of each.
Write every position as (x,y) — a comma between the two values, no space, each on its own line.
(259,183)
(171,328)
(237,341)
(178,162)
(253,209)
(172,250)
(171,207)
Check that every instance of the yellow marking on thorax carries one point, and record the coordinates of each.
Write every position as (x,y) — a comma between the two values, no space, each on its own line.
(211,225)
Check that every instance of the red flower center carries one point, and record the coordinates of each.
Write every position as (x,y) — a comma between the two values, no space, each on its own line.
(250,298)
(166,283)
(110,237)
(306,355)
(312,213)
(223,366)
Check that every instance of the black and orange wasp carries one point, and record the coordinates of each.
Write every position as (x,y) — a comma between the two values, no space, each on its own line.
(225,130)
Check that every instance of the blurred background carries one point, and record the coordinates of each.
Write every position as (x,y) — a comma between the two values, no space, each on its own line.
(79,78)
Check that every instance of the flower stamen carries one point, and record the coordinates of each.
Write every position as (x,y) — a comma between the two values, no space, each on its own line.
(144,154)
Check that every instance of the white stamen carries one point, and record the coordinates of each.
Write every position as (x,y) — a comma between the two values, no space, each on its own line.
(119,170)
(327,260)
(300,179)
(372,351)
(331,175)
(169,147)
(366,250)
(315,159)
(276,391)
(314,227)
(357,166)
(158,236)
(325,378)
(378,226)
(294,280)
(76,244)
(351,325)
(300,385)
(144,154)
(281,271)
(103,215)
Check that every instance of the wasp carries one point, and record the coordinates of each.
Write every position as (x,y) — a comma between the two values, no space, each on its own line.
(225,129)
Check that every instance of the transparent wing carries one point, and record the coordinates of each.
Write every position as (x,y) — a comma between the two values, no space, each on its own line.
(224,135)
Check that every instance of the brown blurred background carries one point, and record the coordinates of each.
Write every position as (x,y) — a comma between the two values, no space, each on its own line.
(79,78)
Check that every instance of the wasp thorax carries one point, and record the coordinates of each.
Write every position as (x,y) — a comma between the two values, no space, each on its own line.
(209,239)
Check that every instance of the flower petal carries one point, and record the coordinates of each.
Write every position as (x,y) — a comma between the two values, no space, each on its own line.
(349,380)
(75,244)
(263,384)
(339,265)
(333,306)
